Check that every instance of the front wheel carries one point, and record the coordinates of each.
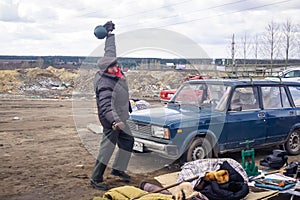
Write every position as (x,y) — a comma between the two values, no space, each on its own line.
(292,145)
(199,149)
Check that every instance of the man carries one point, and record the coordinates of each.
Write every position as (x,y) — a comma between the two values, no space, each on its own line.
(113,110)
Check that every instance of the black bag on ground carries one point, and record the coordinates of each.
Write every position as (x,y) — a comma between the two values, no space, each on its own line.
(275,161)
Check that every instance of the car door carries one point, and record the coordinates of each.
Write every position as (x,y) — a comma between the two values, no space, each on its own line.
(244,120)
(280,115)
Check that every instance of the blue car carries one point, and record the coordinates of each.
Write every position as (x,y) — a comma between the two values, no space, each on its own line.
(206,118)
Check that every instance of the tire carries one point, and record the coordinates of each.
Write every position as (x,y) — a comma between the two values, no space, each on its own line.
(292,145)
(199,149)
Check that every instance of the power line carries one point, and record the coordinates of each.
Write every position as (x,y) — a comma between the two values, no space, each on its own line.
(222,5)
(188,21)
(203,9)
(155,9)
(208,8)
(218,6)
(195,11)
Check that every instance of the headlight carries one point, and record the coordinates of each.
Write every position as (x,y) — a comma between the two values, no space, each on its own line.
(161,132)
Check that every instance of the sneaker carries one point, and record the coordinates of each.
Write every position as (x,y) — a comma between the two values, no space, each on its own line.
(121,174)
(98,185)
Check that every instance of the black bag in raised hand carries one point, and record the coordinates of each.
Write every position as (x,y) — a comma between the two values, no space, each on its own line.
(275,161)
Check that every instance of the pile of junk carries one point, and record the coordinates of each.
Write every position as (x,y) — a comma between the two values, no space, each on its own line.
(277,174)
(220,179)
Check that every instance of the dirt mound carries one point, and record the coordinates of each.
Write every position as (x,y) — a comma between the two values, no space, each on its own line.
(64,74)
(9,81)
(36,81)
(147,84)
(52,82)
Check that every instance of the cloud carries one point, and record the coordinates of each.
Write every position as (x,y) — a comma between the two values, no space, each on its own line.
(9,11)
(66,27)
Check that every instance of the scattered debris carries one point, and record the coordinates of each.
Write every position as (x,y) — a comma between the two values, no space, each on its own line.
(97,129)
(35,96)
(16,118)
(80,166)
(53,83)
(37,82)
(82,176)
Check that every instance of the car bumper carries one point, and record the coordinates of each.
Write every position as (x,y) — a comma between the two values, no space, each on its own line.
(164,150)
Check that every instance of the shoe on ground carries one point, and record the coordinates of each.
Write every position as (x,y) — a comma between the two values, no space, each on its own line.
(98,185)
(124,177)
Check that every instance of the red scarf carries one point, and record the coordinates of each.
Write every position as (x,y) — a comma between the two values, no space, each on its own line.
(118,73)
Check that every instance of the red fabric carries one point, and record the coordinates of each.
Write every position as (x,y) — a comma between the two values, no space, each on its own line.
(118,73)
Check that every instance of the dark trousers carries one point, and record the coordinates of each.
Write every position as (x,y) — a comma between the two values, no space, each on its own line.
(110,138)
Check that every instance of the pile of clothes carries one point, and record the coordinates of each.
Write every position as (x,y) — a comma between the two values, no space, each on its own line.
(218,178)
(213,179)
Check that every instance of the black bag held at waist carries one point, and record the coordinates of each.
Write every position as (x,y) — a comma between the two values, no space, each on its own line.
(275,161)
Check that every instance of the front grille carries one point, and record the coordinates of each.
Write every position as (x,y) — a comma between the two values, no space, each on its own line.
(140,128)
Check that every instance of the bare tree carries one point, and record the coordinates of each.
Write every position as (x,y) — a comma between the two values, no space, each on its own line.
(255,49)
(272,38)
(289,31)
(25,64)
(233,52)
(246,47)
(40,62)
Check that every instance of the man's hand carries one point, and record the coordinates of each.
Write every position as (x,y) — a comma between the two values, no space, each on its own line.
(118,126)
(109,26)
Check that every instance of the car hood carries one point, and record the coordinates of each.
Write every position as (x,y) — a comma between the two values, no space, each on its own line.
(171,114)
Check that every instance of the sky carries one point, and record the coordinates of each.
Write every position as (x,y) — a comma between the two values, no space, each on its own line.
(65,28)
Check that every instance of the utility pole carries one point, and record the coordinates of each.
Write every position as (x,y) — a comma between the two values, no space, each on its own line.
(233,67)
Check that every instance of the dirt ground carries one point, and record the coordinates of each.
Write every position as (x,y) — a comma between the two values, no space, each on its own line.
(42,156)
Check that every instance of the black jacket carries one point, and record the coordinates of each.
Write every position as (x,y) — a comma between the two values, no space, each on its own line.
(111,91)
(112,98)
(235,189)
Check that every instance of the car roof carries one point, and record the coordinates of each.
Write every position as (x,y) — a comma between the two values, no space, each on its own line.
(243,82)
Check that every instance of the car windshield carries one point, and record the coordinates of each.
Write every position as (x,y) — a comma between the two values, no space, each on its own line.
(290,73)
(203,95)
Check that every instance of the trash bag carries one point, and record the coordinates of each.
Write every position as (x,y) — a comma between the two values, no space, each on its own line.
(275,161)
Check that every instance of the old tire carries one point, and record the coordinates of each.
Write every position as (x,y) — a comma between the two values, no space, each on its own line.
(292,145)
(199,149)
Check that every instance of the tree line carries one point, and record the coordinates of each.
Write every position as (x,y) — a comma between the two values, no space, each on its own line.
(279,41)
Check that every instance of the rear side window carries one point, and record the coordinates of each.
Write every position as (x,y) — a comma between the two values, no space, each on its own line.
(274,97)
(295,92)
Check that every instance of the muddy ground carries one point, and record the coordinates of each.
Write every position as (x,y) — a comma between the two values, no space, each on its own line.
(42,155)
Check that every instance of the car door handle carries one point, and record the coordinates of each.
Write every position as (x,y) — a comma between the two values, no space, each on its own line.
(291,112)
(261,115)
